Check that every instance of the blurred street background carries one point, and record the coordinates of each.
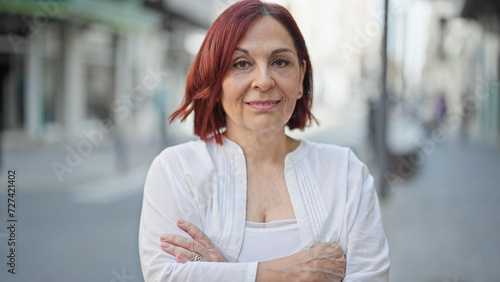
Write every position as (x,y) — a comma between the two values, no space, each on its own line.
(86,87)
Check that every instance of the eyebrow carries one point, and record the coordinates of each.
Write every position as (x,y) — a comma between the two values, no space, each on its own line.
(277,51)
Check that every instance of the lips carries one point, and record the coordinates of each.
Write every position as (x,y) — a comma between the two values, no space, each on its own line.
(263,105)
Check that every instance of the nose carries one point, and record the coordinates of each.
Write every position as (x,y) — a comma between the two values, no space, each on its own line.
(263,79)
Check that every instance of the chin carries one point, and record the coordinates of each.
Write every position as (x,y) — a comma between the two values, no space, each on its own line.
(268,127)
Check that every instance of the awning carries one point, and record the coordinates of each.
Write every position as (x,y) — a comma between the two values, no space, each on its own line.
(118,15)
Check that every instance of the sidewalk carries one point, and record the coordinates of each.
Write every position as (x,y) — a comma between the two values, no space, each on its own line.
(443,224)
(102,172)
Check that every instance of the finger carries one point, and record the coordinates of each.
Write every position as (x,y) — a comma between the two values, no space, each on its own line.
(339,265)
(181,255)
(331,267)
(196,233)
(331,250)
(331,257)
(183,242)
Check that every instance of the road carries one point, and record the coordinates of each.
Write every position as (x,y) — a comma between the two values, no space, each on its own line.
(59,238)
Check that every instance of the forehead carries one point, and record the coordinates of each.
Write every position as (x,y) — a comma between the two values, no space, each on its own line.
(266,34)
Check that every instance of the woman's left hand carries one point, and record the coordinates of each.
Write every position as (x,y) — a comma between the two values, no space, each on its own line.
(185,249)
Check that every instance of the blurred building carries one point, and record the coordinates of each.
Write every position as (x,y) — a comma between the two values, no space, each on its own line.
(485,67)
(461,68)
(69,65)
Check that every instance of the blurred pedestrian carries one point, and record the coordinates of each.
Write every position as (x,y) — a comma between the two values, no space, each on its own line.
(247,202)
(440,109)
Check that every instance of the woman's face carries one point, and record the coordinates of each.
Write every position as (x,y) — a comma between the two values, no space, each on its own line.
(264,81)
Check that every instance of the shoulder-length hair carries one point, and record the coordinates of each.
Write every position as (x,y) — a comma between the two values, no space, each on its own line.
(204,80)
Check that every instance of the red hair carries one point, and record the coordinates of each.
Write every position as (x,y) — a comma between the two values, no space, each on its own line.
(204,80)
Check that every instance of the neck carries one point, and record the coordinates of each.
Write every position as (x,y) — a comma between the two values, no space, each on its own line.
(265,147)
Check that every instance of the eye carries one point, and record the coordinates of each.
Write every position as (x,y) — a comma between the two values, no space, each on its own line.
(281,63)
(241,64)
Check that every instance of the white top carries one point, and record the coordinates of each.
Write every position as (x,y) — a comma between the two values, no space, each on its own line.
(270,240)
(331,192)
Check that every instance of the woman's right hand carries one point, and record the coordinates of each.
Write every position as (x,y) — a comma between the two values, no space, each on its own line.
(323,262)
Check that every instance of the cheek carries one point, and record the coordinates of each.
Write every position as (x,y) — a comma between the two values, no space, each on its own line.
(291,81)
(231,90)
(293,104)
(227,105)
(292,90)
(229,100)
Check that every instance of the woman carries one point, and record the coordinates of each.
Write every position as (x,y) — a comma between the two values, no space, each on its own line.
(247,202)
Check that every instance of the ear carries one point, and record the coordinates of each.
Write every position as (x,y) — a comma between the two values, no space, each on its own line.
(303,68)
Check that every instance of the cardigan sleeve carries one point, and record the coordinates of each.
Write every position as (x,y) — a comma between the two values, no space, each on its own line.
(167,198)
(367,251)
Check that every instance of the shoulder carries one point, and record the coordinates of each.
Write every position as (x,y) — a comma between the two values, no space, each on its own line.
(338,164)
(190,158)
(187,148)
(185,167)
(189,151)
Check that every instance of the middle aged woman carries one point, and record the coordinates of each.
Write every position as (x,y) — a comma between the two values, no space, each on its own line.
(247,202)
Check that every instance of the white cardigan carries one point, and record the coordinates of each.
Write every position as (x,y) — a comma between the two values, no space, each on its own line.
(204,183)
